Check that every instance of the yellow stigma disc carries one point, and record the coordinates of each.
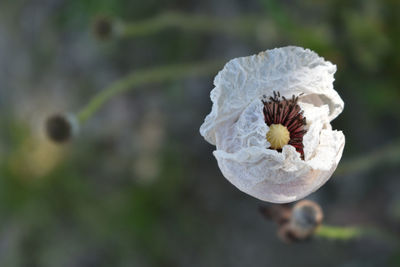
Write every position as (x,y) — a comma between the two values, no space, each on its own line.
(278,136)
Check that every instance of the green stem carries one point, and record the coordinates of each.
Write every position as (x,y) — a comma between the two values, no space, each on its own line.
(243,26)
(389,154)
(279,15)
(338,233)
(142,77)
(354,232)
(309,36)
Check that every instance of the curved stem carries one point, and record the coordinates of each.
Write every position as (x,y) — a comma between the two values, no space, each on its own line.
(141,77)
(388,154)
(240,26)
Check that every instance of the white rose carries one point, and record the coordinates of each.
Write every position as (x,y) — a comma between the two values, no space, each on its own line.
(271,162)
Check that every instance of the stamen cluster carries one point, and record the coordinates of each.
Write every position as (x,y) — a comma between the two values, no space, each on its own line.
(279,110)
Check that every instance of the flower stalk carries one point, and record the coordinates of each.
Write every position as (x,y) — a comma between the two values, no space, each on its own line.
(241,26)
(347,233)
(389,154)
(142,77)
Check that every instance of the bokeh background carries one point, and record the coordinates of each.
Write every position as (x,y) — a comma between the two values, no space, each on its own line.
(139,185)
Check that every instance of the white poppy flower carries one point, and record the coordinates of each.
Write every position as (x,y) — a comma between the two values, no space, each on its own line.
(270,123)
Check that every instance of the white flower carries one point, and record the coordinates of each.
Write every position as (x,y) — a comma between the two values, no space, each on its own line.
(237,124)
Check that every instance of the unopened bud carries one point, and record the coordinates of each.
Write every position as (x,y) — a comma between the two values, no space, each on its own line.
(279,214)
(60,128)
(295,223)
(306,217)
(286,234)
(103,28)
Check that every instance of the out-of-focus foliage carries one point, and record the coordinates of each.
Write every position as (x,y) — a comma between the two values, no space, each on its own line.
(139,186)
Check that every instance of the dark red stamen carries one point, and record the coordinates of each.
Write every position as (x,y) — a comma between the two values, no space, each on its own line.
(288,113)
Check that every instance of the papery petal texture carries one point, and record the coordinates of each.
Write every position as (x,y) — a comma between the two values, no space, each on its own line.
(237,128)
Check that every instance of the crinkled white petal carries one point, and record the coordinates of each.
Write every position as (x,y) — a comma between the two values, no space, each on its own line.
(288,70)
(236,123)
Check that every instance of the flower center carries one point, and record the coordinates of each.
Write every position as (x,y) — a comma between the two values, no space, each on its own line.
(278,136)
(286,123)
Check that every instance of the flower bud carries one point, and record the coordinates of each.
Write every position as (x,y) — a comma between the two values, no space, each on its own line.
(285,233)
(60,127)
(295,223)
(103,28)
(306,217)
(279,214)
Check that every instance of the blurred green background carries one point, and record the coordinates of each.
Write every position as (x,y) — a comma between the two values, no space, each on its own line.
(139,186)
